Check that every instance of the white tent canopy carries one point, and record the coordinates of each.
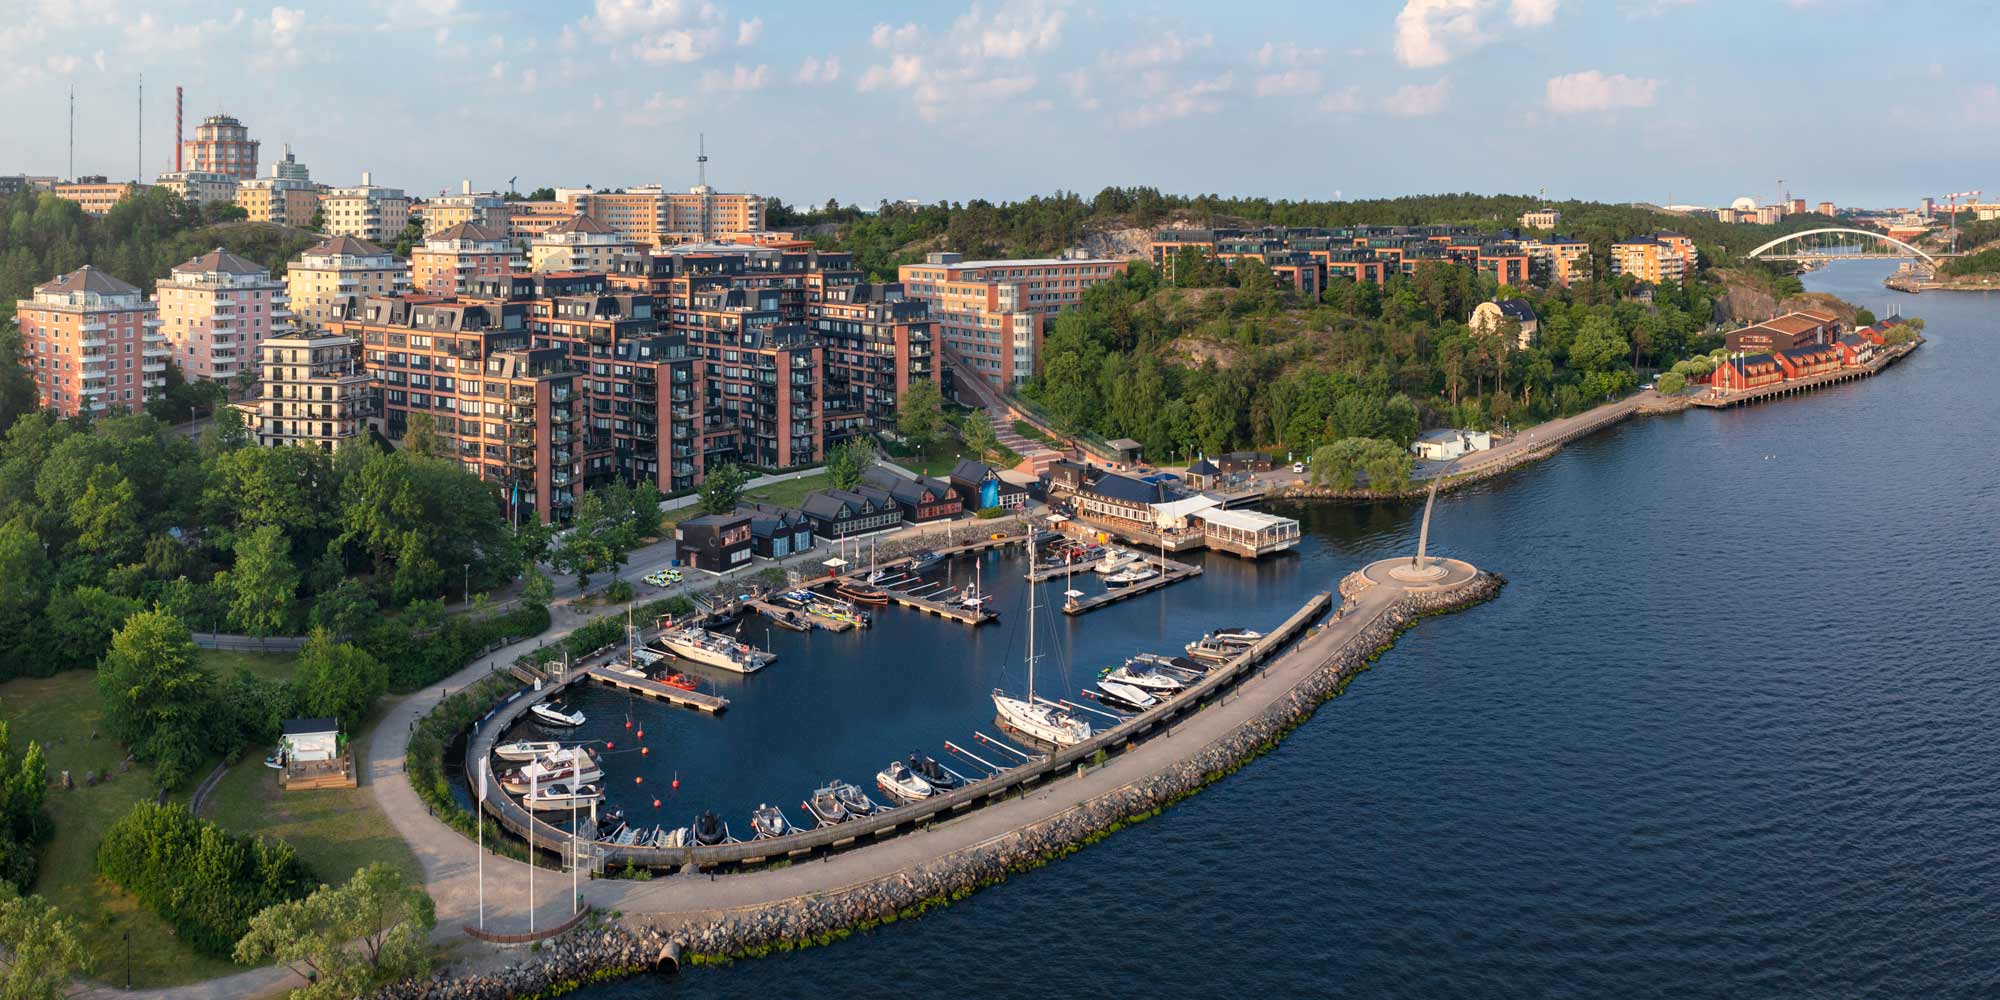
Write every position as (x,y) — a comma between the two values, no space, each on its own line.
(1175,513)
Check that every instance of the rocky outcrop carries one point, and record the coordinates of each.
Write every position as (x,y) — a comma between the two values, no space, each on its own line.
(640,944)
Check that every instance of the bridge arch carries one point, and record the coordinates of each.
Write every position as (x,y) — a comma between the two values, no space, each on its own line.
(1780,241)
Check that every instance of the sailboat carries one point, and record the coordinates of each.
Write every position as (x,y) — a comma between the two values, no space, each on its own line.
(1030,717)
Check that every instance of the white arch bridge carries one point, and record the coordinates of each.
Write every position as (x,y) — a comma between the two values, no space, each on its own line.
(1839,243)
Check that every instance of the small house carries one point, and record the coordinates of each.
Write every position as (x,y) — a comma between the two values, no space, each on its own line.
(921,500)
(1489,316)
(1447,444)
(1125,451)
(980,488)
(1203,475)
(312,754)
(716,543)
(1855,350)
(310,741)
(839,514)
(777,532)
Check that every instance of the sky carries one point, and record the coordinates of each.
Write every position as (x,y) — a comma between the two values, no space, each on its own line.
(1858,102)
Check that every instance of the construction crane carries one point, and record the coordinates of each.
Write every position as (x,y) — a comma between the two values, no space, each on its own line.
(1951,201)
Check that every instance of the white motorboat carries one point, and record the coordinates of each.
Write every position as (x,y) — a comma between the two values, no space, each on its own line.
(643,657)
(1125,695)
(1031,718)
(898,782)
(571,766)
(1145,679)
(702,646)
(1135,573)
(562,798)
(825,808)
(1173,664)
(556,714)
(853,799)
(1236,634)
(939,777)
(1115,560)
(769,821)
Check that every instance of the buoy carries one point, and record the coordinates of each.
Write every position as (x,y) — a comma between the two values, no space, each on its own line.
(656,803)
(642,734)
(628,723)
(643,751)
(608,744)
(677,781)
(638,780)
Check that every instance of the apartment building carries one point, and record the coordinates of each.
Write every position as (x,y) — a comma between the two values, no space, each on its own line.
(451,261)
(506,410)
(17,183)
(221,145)
(486,210)
(216,309)
(763,378)
(337,274)
(651,214)
(314,392)
(376,214)
(993,313)
(1558,261)
(1541,218)
(200,187)
(529,219)
(281,200)
(1661,256)
(92,343)
(876,342)
(95,195)
(581,243)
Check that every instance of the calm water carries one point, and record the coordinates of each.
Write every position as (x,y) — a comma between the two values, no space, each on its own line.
(1731,731)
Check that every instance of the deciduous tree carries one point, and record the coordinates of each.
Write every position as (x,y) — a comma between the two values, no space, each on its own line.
(156,694)
(347,940)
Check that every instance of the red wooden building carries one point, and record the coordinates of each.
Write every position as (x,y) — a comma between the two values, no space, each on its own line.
(1747,373)
(1856,349)
(1800,362)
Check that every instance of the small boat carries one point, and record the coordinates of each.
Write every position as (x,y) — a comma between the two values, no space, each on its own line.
(924,559)
(1145,678)
(703,646)
(609,822)
(676,679)
(769,821)
(676,837)
(556,714)
(790,620)
(1130,575)
(1125,695)
(1115,560)
(275,761)
(1236,634)
(644,657)
(1223,645)
(611,836)
(1180,663)
(825,808)
(562,798)
(898,782)
(708,830)
(562,767)
(628,836)
(935,774)
(854,800)
(864,592)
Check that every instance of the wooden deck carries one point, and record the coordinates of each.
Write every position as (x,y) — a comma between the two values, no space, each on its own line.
(773,610)
(1170,572)
(710,703)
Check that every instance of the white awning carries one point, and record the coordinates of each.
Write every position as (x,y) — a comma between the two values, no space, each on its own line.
(1244,520)
(1173,513)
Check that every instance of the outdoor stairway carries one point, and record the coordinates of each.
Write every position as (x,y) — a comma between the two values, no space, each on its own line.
(1034,454)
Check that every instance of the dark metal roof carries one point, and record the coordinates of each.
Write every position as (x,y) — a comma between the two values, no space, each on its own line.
(307,727)
(222,261)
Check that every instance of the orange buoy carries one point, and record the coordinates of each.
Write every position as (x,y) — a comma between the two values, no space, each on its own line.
(677,781)
(656,803)
(638,780)
(642,734)
(643,751)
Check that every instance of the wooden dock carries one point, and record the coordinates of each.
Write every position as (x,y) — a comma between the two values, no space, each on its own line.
(710,703)
(928,606)
(1046,573)
(774,610)
(1170,572)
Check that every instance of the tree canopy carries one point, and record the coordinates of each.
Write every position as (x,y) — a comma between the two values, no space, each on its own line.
(347,940)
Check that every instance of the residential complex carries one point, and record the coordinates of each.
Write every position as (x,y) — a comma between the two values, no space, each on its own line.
(221,145)
(1654,258)
(216,309)
(93,344)
(313,392)
(200,186)
(450,261)
(992,313)
(487,210)
(1306,260)
(287,197)
(95,194)
(337,274)
(580,243)
(1542,218)
(651,214)
(376,214)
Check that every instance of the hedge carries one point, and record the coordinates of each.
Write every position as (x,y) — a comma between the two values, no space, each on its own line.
(202,879)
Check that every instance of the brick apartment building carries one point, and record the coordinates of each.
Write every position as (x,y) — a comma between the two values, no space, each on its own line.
(451,261)
(994,313)
(876,343)
(93,344)
(216,309)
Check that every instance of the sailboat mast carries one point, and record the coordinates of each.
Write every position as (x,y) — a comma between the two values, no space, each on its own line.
(1031,616)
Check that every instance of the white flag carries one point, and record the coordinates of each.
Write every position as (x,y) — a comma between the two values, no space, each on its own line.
(485,767)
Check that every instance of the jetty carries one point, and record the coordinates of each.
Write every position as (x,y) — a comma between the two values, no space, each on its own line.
(1171,572)
(762,606)
(710,703)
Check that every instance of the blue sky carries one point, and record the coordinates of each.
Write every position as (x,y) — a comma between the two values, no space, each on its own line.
(1855,101)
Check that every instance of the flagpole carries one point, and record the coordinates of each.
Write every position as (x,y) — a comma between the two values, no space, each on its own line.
(533,780)
(485,768)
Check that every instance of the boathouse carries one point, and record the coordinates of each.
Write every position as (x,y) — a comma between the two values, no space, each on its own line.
(777,532)
(1249,533)
(1449,443)
(1856,350)
(921,500)
(716,543)
(980,488)
(837,514)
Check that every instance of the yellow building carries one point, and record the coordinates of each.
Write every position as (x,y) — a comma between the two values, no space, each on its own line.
(96,195)
(581,244)
(339,272)
(376,214)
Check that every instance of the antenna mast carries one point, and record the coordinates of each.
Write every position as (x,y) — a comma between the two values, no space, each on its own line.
(72,132)
(701,161)
(141,175)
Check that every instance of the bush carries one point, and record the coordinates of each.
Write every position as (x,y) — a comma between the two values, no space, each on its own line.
(424,646)
(1672,384)
(618,591)
(989,513)
(433,734)
(203,880)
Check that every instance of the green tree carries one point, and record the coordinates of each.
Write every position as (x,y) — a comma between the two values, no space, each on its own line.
(977,431)
(81,621)
(1597,346)
(18,395)
(846,463)
(412,234)
(225,431)
(346,610)
(156,695)
(920,415)
(41,956)
(722,488)
(336,680)
(25,578)
(349,940)
(536,589)
(421,438)
(204,881)
(264,581)
(24,819)
(1671,384)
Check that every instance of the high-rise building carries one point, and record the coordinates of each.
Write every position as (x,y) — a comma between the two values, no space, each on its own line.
(287,196)
(337,274)
(93,344)
(1559,261)
(581,243)
(1649,259)
(993,313)
(221,145)
(314,391)
(508,411)
(376,214)
(876,343)
(450,261)
(216,309)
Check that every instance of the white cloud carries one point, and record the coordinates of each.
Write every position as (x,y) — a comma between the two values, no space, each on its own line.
(817,70)
(887,36)
(660,31)
(1417,100)
(659,109)
(1160,51)
(285,23)
(901,72)
(1531,13)
(146,34)
(1288,83)
(1433,32)
(1013,31)
(1981,105)
(1576,93)
(528,80)
(1345,101)
(1642,9)
(1287,54)
(1199,97)
(740,79)
(747,32)
(1078,82)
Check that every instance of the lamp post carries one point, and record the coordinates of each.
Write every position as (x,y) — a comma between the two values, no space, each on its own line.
(128,960)
(466,594)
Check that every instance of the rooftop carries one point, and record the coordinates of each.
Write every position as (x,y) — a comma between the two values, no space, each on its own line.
(87,279)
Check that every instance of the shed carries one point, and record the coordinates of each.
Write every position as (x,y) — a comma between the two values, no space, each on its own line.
(1125,451)
(717,543)
(1202,474)
(310,740)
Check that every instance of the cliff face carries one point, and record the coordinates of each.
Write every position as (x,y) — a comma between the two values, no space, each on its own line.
(1750,298)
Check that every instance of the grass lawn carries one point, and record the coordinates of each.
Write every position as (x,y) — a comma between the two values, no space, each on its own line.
(336,830)
(269,666)
(789,493)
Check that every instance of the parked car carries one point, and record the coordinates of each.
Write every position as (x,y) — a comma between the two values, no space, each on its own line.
(665,577)
(1299,467)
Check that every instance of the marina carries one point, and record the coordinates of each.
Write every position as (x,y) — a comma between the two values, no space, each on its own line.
(1165,572)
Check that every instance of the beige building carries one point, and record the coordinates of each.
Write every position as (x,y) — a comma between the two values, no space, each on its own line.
(376,214)
(448,262)
(287,197)
(529,219)
(200,187)
(93,344)
(993,313)
(652,214)
(486,210)
(315,392)
(1545,218)
(339,272)
(581,244)
(96,195)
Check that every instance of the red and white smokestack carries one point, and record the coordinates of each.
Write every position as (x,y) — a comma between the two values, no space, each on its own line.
(177,129)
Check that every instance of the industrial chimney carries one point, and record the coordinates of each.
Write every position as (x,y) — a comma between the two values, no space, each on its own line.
(177,129)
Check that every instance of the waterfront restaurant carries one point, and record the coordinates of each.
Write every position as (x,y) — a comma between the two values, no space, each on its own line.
(1121,500)
(716,543)
(837,514)
(979,487)
(1249,533)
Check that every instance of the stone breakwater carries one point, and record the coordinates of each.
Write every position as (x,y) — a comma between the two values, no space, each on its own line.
(641,943)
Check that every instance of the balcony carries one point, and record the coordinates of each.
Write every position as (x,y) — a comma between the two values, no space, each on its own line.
(153,367)
(92,343)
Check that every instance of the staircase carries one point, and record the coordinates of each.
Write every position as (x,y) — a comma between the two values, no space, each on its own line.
(1036,457)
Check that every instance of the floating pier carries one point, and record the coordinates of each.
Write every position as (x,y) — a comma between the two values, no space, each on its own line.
(710,703)
(775,610)
(1170,572)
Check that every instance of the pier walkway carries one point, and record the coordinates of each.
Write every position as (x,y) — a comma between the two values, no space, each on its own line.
(1170,572)
(710,703)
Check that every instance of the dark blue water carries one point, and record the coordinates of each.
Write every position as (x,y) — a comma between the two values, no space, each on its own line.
(1732,730)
